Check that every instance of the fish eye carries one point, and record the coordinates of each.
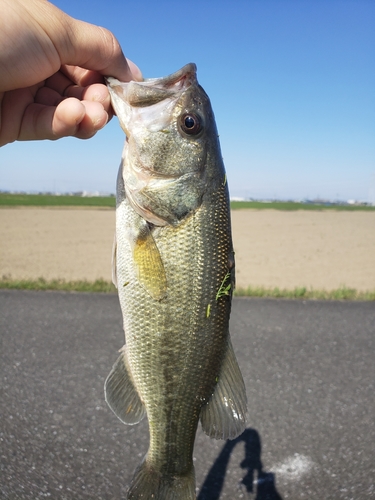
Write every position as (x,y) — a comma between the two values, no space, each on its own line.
(190,123)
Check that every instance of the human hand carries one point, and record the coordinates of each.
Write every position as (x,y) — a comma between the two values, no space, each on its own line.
(51,73)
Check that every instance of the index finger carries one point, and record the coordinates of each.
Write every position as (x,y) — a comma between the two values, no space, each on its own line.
(86,77)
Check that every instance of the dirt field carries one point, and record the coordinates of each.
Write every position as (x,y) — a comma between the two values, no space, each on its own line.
(323,250)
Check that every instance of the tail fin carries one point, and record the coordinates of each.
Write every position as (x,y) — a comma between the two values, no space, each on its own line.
(149,483)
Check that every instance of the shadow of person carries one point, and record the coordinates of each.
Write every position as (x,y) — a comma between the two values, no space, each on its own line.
(264,481)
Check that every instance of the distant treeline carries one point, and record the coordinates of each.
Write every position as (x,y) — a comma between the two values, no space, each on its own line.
(49,200)
(295,205)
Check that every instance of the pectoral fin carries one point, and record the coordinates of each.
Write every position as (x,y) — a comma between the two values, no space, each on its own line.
(120,393)
(147,260)
(224,416)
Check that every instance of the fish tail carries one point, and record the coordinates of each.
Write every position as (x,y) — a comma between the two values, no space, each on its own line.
(150,484)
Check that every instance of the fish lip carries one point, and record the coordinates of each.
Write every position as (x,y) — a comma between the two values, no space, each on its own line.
(187,75)
(108,80)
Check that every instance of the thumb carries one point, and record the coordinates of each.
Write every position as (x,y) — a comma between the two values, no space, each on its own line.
(82,44)
(96,48)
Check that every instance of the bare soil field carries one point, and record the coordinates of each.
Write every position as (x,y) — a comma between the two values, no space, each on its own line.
(322,250)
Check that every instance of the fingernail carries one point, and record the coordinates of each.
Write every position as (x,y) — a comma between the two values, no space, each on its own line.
(100,121)
(136,72)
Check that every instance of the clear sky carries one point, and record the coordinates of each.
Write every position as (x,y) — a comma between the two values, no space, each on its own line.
(292,85)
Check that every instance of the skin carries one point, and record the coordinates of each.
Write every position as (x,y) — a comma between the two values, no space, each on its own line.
(52,69)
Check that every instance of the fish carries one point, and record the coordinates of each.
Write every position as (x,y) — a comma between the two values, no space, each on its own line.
(174,268)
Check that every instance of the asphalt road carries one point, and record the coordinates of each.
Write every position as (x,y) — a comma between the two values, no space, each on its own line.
(310,375)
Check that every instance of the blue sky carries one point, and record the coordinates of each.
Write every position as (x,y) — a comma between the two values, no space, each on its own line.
(292,85)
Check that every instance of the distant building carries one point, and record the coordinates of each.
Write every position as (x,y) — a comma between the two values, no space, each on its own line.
(237,198)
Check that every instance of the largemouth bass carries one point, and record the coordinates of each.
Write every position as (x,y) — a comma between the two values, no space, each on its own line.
(174,269)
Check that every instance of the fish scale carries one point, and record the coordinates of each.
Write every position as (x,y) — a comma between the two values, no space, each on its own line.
(167,318)
(175,276)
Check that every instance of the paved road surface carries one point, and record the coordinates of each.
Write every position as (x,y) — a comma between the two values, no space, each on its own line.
(309,369)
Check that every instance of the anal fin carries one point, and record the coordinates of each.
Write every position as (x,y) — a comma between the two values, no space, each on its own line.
(224,415)
(120,392)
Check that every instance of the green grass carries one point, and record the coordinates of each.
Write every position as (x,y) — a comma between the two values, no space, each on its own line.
(46,200)
(103,286)
(288,205)
(342,293)
(62,285)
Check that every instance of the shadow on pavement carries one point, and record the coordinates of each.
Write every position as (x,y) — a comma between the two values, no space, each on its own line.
(264,481)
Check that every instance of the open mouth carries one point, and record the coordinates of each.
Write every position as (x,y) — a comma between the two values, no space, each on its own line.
(152,90)
(132,99)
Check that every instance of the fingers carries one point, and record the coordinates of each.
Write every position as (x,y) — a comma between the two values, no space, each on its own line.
(40,38)
(36,121)
(81,76)
(81,119)
(58,86)
(94,48)
(48,97)
(85,77)
(13,105)
(59,82)
(99,50)
(136,72)
(74,100)
(94,93)
(39,113)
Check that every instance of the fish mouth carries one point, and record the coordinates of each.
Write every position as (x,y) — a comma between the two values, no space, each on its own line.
(184,77)
(152,90)
(150,93)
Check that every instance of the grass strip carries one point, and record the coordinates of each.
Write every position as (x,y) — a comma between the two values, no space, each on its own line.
(342,293)
(59,284)
(292,205)
(46,200)
(103,286)
(49,200)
